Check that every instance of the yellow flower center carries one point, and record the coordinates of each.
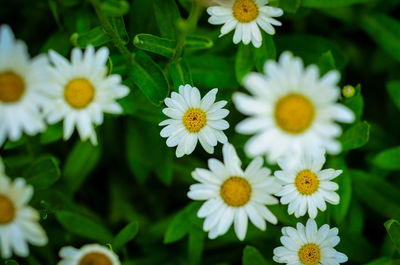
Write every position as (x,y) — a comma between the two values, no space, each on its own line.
(245,11)
(12,87)
(310,254)
(306,182)
(194,120)
(7,210)
(79,93)
(294,113)
(236,191)
(95,258)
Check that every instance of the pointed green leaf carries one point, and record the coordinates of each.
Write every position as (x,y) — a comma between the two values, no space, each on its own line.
(125,235)
(244,61)
(95,37)
(266,52)
(115,7)
(167,14)
(393,229)
(355,137)
(388,159)
(326,62)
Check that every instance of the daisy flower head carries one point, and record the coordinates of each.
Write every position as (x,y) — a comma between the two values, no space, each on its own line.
(233,195)
(192,119)
(22,86)
(306,186)
(19,223)
(309,245)
(88,255)
(292,110)
(82,91)
(245,17)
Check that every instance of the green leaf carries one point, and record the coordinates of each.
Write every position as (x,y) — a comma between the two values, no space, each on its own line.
(332,3)
(115,7)
(244,61)
(382,261)
(388,159)
(11,262)
(52,134)
(167,14)
(118,24)
(252,256)
(266,52)
(326,62)
(125,235)
(181,223)
(195,244)
(198,43)
(83,226)
(42,173)
(149,77)
(385,31)
(288,6)
(355,137)
(356,103)
(80,162)
(393,88)
(154,44)
(95,37)
(393,229)
(180,74)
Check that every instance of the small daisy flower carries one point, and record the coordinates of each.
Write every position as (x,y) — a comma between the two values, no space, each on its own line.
(309,245)
(306,186)
(22,86)
(88,255)
(245,16)
(233,195)
(19,223)
(82,92)
(292,110)
(194,119)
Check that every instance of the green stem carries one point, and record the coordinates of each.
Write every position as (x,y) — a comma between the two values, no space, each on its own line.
(110,31)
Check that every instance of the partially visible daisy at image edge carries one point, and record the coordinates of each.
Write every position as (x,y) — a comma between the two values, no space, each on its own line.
(233,196)
(19,223)
(81,91)
(194,119)
(22,85)
(292,110)
(245,17)
(90,254)
(308,245)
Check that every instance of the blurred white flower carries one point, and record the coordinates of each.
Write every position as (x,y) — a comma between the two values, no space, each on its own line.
(19,223)
(233,195)
(306,186)
(22,86)
(245,16)
(309,245)
(82,92)
(92,254)
(194,119)
(292,110)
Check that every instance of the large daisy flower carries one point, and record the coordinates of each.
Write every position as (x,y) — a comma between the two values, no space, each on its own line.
(19,223)
(309,245)
(306,186)
(88,255)
(292,110)
(245,16)
(82,92)
(194,119)
(233,195)
(22,82)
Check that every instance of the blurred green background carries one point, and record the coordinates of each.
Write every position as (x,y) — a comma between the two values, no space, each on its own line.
(132,181)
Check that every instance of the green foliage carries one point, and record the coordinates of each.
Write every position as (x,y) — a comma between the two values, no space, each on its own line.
(394,92)
(251,255)
(127,234)
(393,229)
(356,136)
(388,159)
(332,3)
(42,173)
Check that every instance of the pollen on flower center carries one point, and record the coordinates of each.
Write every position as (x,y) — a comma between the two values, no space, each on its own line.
(236,191)
(294,113)
(79,93)
(194,120)
(306,182)
(12,87)
(7,210)
(95,258)
(245,11)
(309,254)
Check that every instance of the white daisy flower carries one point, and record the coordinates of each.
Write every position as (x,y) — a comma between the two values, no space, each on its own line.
(88,255)
(192,119)
(82,92)
(22,82)
(19,223)
(245,16)
(233,196)
(292,110)
(309,245)
(306,186)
